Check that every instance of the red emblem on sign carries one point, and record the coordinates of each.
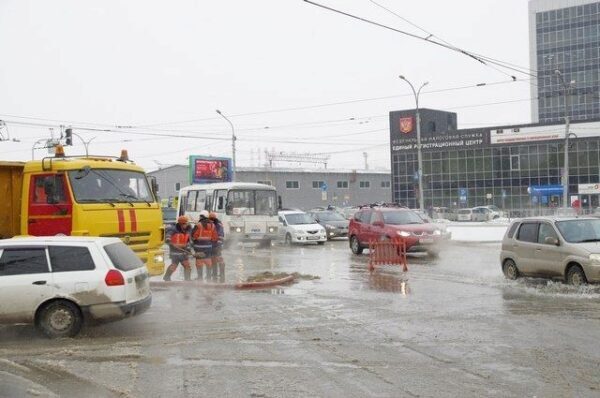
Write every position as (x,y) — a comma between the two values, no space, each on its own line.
(406,124)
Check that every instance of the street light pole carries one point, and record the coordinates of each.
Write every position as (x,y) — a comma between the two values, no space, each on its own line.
(232,143)
(567,88)
(419,152)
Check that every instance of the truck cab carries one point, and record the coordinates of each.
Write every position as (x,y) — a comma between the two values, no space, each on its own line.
(84,196)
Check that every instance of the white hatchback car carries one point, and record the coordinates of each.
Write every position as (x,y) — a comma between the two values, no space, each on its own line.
(299,227)
(59,282)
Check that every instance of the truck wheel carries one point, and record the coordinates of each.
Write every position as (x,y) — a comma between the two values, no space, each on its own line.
(355,245)
(59,319)
(288,239)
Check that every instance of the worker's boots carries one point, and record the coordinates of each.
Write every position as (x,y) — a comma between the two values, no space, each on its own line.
(187,274)
(168,273)
(199,270)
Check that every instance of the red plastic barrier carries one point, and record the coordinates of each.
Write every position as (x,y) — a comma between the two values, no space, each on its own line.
(388,252)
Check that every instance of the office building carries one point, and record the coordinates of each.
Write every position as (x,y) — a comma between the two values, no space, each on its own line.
(297,188)
(512,167)
(564,36)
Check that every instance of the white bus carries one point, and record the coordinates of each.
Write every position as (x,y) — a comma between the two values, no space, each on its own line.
(248,211)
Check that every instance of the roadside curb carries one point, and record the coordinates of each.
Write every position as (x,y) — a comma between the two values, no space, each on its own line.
(235,286)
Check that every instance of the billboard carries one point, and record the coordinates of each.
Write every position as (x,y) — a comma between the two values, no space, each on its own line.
(208,169)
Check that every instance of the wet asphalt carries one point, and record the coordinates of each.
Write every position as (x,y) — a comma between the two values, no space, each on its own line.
(451,326)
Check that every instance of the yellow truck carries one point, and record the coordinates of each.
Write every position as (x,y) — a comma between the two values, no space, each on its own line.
(84,196)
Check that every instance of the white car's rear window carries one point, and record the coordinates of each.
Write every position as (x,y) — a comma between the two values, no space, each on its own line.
(122,257)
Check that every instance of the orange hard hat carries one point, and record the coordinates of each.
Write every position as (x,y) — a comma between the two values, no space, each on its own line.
(182,220)
(212,214)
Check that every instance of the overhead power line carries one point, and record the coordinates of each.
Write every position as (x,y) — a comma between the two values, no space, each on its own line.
(336,103)
(481,59)
(430,35)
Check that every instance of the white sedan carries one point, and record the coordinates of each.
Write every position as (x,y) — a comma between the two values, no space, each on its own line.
(299,227)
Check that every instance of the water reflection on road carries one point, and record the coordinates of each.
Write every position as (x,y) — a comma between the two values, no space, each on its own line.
(450,325)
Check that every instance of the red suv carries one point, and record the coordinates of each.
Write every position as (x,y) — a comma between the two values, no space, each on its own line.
(378,223)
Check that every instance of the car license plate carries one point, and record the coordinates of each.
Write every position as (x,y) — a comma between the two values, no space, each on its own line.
(426,240)
(312,238)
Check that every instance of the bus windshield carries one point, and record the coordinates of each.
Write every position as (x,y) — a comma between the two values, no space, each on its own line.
(251,202)
(109,186)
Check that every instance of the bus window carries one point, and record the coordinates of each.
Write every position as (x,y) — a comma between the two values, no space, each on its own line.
(209,202)
(220,197)
(240,202)
(190,201)
(265,203)
(201,201)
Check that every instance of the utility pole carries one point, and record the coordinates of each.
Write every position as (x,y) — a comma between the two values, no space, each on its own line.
(419,150)
(567,88)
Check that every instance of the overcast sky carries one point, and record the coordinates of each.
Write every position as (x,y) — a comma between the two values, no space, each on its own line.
(275,67)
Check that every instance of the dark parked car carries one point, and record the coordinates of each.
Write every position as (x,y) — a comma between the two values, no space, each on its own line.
(334,223)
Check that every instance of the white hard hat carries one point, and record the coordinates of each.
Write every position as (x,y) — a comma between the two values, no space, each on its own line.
(204,213)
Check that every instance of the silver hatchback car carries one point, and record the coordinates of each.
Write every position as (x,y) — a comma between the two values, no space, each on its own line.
(566,248)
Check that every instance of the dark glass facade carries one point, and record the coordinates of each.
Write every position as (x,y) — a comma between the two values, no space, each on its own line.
(568,40)
(495,165)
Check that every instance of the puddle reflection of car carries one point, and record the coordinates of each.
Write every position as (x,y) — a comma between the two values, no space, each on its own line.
(379,223)
(564,248)
(334,223)
(299,227)
(58,283)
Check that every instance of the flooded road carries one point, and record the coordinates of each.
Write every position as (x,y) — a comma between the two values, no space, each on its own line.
(451,326)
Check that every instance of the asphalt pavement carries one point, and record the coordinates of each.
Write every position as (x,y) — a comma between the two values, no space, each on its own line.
(450,326)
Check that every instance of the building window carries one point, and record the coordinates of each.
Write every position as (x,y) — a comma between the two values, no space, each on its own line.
(266,182)
(514,162)
(385,184)
(318,184)
(177,186)
(292,185)
(342,184)
(364,184)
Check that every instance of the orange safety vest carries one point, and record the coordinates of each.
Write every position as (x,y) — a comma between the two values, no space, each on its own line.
(179,239)
(205,233)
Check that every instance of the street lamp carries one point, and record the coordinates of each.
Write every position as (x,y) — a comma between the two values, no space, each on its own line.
(419,154)
(232,143)
(567,87)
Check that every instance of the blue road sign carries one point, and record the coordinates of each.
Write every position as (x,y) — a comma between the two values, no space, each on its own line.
(462,195)
(324,187)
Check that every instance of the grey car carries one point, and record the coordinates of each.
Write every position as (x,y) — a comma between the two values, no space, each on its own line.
(566,248)
(335,224)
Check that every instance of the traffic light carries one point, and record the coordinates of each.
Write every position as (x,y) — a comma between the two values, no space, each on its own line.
(69,136)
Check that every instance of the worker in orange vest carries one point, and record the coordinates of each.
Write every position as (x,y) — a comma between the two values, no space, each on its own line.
(203,234)
(178,239)
(218,267)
